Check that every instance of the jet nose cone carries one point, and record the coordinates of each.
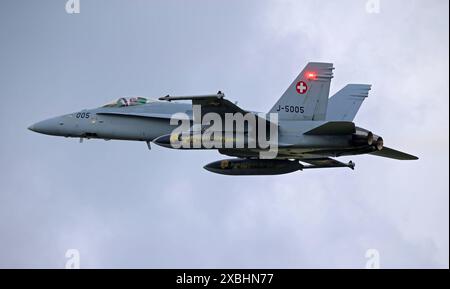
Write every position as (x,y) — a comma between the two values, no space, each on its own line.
(39,127)
(49,126)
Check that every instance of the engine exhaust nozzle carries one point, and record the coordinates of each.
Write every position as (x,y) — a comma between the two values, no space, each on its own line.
(379,143)
(362,138)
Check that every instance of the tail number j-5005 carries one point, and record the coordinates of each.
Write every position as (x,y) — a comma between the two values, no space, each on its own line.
(291,108)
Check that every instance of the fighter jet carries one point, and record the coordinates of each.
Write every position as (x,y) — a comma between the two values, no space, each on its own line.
(311,128)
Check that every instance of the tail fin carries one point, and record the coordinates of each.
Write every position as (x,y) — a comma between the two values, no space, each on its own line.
(307,97)
(344,105)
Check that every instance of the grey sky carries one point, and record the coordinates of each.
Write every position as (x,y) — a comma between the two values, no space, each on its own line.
(121,205)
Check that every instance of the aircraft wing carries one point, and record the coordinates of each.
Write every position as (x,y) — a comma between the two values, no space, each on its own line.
(326,163)
(210,103)
(138,114)
(214,103)
(393,154)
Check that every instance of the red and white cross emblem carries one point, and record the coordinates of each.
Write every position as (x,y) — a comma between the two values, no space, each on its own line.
(301,87)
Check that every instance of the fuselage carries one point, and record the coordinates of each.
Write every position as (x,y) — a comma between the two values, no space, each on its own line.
(148,121)
(139,123)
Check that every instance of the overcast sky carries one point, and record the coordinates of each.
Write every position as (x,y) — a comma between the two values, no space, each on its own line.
(121,205)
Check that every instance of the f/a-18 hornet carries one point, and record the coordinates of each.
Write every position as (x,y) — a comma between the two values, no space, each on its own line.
(304,129)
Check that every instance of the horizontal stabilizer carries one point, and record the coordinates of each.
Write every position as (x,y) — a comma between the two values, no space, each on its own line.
(394,154)
(333,128)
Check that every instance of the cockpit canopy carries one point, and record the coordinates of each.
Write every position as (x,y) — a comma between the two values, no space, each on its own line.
(128,101)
